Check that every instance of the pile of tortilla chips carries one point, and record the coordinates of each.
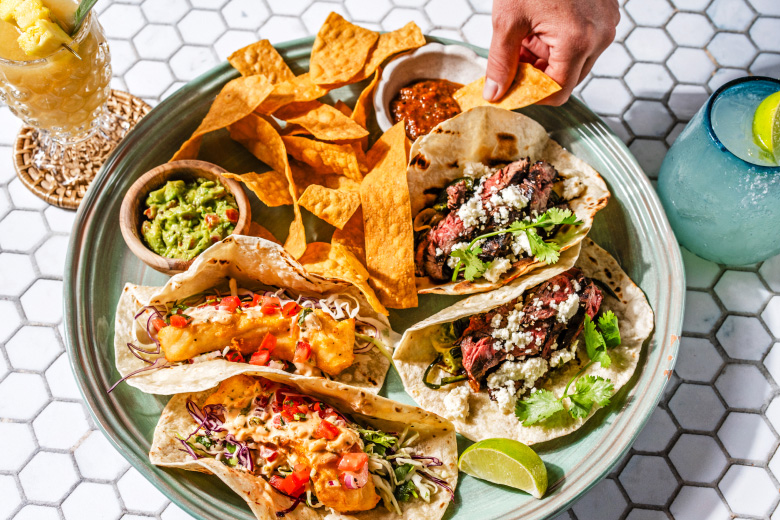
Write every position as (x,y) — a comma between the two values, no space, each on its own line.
(319,154)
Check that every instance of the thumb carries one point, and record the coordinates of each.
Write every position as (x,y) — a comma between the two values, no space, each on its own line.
(505,48)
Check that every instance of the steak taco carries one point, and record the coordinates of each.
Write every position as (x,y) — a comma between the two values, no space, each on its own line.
(492,198)
(243,304)
(532,360)
(308,448)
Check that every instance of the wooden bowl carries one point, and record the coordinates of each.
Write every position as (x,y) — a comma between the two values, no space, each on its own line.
(131,213)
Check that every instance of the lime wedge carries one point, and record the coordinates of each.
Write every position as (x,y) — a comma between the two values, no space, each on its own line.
(507,462)
(766,125)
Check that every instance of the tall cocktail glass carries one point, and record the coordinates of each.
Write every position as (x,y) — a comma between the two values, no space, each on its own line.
(63,96)
(722,207)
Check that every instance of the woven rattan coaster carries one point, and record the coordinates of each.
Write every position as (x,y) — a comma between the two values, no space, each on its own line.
(68,193)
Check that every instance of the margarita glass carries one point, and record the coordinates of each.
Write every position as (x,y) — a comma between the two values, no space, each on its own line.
(720,191)
(63,96)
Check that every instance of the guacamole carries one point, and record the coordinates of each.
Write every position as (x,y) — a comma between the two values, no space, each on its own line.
(185,218)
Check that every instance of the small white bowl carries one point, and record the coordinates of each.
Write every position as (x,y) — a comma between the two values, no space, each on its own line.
(432,61)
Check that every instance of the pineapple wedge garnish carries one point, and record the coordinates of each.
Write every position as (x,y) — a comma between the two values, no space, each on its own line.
(42,39)
(28,12)
(40,35)
(7,10)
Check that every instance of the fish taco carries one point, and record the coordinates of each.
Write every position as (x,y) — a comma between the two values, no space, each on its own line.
(246,303)
(307,448)
(492,198)
(533,360)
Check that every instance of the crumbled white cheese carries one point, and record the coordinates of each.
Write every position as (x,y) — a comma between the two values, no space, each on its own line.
(497,267)
(510,335)
(439,252)
(568,308)
(521,245)
(476,170)
(514,197)
(572,188)
(564,355)
(456,403)
(528,371)
(452,261)
(471,212)
(505,399)
(495,322)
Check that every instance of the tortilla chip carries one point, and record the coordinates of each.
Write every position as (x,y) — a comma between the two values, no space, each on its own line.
(352,236)
(406,38)
(238,98)
(335,207)
(325,157)
(291,129)
(256,230)
(364,101)
(262,139)
(340,50)
(295,90)
(334,261)
(343,108)
(323,121)
(387,221)
(305,176)
(261,58)
(531,85)
(270,187)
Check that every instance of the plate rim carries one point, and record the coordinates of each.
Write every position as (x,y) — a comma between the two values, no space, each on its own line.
(641,192)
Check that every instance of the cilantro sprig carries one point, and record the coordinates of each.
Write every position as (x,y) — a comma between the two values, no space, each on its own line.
(588,390)
(547,252)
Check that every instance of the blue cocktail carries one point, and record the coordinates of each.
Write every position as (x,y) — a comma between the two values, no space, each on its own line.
(721,191)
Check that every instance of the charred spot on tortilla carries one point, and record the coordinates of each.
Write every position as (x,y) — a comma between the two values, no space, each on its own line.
(501,136)
(420,161)
(453,164)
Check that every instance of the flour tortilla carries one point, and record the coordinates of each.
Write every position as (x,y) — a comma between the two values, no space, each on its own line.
(437,439)
(493,136)
(253,262)
(485,419)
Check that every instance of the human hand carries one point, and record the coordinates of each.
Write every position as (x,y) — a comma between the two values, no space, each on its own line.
(562,38)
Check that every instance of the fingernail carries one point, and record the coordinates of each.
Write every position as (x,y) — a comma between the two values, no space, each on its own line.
(490,90)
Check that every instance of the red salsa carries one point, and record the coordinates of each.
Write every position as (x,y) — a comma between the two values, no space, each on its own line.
(425,104)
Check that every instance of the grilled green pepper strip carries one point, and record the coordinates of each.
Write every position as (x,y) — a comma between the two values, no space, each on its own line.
(444,380)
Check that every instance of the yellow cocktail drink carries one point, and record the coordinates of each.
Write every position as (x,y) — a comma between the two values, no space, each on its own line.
(51,88)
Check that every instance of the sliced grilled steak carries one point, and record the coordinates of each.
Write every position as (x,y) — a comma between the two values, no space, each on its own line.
(479,356)
(443,236)
(513,173)
(535,181)
(457,194)
(540,320)
(540,180)
(496,246)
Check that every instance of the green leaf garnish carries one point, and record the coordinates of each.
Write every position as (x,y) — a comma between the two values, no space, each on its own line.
(468,258)
(537,407)
(608,324)
(547,252)
(85,6)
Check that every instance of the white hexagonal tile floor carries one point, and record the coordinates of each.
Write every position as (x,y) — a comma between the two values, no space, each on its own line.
(707,451)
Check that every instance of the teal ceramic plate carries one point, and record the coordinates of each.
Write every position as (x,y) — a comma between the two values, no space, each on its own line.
(632,227)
